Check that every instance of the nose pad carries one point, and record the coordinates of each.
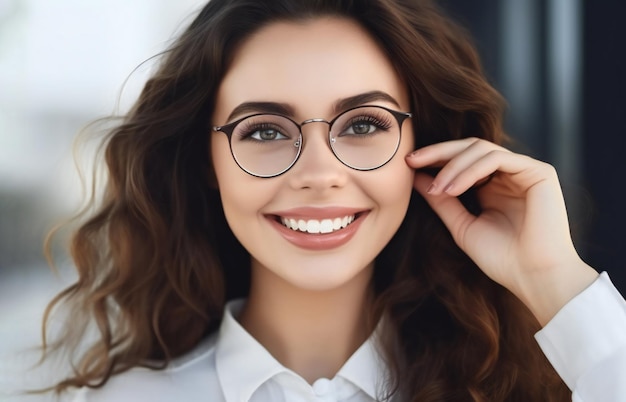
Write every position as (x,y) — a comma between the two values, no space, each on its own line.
(318,167)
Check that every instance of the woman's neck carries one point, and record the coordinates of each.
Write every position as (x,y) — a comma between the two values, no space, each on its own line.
(310,332)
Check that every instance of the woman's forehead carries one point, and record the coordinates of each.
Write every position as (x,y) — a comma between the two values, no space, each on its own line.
(308,65)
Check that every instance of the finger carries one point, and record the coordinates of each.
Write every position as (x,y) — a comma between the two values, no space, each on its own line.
(469,176)
(463,161)
(442,152)
(523,172)
(453,214)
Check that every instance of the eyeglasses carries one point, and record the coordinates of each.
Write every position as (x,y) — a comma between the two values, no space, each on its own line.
(362,138)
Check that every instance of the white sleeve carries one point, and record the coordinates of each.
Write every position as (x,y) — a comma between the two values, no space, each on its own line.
(79,395)
(586,343)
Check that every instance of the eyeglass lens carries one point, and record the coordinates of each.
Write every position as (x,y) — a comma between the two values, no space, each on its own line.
(364,138)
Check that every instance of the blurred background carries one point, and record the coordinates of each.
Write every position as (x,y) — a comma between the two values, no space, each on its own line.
(65,63)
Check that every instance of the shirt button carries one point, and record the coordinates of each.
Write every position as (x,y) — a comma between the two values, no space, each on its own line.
(322,386)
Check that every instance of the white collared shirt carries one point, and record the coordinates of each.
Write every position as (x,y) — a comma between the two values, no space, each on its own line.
(585,341)
(231,366)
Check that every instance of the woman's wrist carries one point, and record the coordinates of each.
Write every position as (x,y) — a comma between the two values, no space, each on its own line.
(547,292)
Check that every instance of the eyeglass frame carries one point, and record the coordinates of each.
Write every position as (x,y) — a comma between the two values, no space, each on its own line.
(228,129)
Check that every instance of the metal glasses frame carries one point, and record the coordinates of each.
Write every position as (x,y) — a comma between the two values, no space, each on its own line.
(230,127)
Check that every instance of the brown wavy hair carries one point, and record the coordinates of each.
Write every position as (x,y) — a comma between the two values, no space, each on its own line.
(157,261)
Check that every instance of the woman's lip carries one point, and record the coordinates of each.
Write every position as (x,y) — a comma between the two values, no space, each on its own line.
(319,241)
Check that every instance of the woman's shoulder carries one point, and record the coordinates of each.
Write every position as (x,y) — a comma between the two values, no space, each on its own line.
(190,377)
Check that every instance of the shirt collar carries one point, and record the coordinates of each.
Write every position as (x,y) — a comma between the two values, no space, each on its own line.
(243,364)
(366,368)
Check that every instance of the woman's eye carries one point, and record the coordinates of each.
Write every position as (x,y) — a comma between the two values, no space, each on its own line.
(267,134)
(361,128)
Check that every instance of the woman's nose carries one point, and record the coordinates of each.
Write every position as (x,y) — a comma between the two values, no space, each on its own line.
(317,168)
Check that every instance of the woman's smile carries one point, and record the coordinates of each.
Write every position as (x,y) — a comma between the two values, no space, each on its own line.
(316,228)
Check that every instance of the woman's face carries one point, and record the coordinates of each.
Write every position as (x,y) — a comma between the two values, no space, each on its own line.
(309,68)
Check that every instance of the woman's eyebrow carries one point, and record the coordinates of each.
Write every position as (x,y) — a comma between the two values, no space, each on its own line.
(261,107)
(361,99)
(288,110)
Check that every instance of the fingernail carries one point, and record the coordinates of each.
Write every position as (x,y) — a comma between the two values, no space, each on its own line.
(448,187)
(413,154)
(431,188)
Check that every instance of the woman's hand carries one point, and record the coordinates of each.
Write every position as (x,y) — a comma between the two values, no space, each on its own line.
(521,239)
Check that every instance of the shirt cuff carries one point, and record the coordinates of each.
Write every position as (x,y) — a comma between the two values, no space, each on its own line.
(586,331)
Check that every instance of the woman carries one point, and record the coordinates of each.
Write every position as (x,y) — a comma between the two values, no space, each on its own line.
(260,237)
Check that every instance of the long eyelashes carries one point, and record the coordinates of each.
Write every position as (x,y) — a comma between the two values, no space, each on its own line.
(381,122)
(250,128)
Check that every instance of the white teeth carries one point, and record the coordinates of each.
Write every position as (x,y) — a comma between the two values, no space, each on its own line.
(315,226)
(326,226)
